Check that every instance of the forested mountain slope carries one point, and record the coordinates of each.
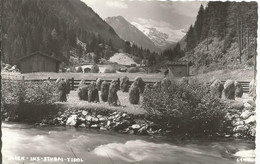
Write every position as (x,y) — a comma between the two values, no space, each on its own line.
(223,36)
(51,26)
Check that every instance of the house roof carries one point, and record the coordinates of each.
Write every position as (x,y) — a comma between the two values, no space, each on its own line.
(38,53)
(179,63)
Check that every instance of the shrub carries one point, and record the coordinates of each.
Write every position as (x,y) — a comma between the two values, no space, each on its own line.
(133,70)
(14,92)
(185,108)
(94,69)
(107,70)
(17,94)
(79,69)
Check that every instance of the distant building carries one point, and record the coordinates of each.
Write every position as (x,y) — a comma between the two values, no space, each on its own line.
(38,62)
(177,69)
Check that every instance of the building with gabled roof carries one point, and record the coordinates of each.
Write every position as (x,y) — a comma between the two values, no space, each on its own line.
(38,62)
(178,69)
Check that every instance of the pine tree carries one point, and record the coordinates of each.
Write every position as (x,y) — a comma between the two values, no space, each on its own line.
(199,22)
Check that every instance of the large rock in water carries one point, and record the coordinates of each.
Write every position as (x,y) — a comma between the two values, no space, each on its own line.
(239,89)
(216,88)
(229,90)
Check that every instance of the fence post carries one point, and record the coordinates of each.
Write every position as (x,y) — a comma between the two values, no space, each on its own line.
(49,79)
(72,83)
(22,78)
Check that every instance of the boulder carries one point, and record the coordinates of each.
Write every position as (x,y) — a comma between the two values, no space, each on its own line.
(239,89)
(251,102)
(251,119)
(240,128)
(89,118)
(84,113)
(135,127)
(246,114)
(252,131)
(82,125)
(122,125)
(143,130)
(95,126)
(229,90)
(247,105)
(216,88)
(72,120)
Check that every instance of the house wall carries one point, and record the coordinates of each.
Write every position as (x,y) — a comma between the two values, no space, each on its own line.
(178,71)
(38,63)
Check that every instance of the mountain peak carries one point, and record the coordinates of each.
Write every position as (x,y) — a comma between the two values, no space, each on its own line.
(129,32)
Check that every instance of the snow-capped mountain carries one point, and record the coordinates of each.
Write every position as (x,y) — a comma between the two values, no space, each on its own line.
(162,37)
(129,32)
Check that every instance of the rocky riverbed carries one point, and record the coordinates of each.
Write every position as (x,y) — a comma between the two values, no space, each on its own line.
(241,121)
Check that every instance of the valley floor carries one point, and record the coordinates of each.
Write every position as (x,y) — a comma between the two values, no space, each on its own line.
(238,74)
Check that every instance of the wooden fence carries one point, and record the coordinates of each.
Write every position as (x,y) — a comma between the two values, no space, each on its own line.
(74,83)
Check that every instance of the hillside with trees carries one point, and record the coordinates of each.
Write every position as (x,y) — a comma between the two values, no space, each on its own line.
(60,28)
(223,36)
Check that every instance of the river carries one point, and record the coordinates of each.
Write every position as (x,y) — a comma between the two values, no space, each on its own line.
(27,144)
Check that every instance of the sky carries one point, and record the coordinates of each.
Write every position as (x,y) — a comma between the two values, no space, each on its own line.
(168,14)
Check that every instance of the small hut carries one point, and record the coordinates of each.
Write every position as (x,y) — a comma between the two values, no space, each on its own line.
(38,62)
(178,69)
